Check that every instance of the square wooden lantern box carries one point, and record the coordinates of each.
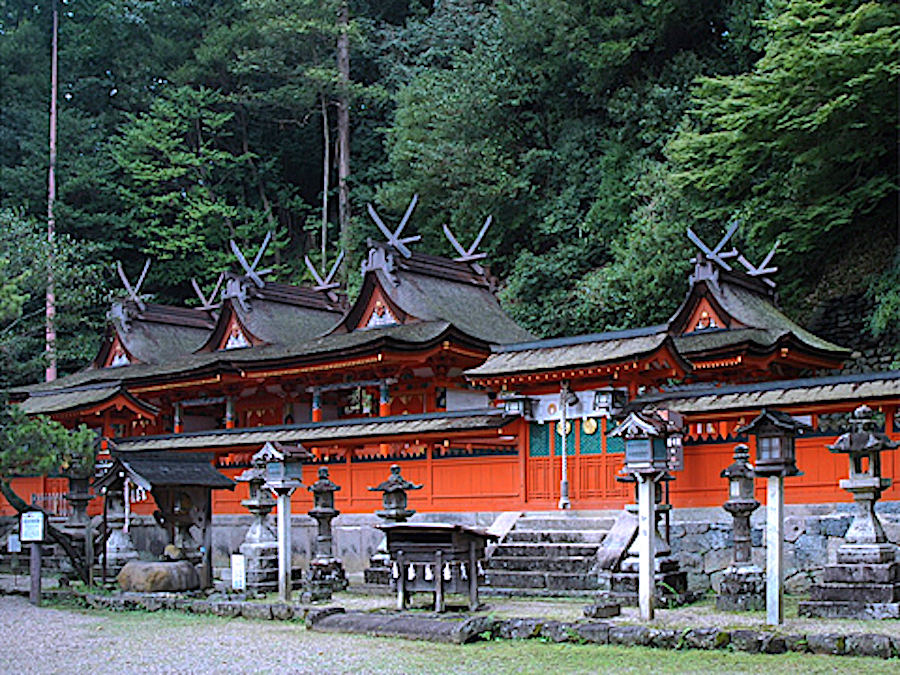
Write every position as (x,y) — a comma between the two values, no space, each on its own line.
(437,558)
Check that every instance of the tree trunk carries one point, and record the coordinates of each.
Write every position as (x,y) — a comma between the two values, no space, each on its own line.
(343,125)
(50,333)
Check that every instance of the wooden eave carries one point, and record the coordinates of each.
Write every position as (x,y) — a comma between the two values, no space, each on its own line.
(661,364)
(747,355)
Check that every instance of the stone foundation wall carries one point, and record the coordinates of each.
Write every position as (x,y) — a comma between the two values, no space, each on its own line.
(701,539)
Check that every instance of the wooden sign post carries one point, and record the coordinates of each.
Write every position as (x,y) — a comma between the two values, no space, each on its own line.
(32,527)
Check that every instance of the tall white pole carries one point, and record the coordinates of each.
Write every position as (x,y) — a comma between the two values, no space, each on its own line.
(284,544)
(646,544)
(774,551)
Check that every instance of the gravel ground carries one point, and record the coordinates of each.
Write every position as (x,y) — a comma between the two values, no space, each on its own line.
(61,640)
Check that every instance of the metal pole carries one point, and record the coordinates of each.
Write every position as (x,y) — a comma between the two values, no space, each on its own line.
(774,551)
(646,544)
(284,544)
(564,502)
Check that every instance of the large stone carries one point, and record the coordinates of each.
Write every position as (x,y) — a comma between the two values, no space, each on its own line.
(155,577)
(521,629)
(878,646)
(706,638)
(630,636)
(595,632)
(826,643)
(749,641)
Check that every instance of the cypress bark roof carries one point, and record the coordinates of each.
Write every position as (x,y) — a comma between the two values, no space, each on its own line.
(831,389)
(577,352)
(319,432)
(166,469)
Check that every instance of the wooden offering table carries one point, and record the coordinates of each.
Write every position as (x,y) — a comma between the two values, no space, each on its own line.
(436,558)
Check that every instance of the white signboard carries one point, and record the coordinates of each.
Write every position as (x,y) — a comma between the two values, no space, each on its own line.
(31,526)
(13,544)
(238,572)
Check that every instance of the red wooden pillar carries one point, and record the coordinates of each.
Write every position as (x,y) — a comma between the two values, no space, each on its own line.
(317,405)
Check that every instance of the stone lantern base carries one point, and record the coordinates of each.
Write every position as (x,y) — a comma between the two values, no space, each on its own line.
(671,584)
(325,576)
(742,589)
(865,584)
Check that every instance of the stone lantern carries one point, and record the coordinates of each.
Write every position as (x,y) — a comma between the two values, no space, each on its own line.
(283,472)
(326,573)
(743,584)
(260,547)
(395,510)
(394,496)
(647,459)
(865,582)
(775,432)
(775,459)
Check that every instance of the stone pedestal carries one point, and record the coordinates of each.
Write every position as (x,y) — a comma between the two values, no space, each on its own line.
(671,588)
(865,582)
(742,589)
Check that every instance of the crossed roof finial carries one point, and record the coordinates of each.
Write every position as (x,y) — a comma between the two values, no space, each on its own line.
(134,291)
(254,274)
(468,254)
(327,284)
(209,304)
(720,257)
(393,238)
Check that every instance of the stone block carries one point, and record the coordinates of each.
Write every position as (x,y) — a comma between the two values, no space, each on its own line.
(282,612)
(794,526)
(314,616)
(826,643)
(201,607)
(252,610)
(749,641)
(706,638)
(866,553)
(774,644)
(867,644)
(558,631)
(226,609)
(154,577)
(602,609)
(868,593)
(834,526)
(520,629)
(630,636)
(863,573)
(595,632)
(152,603)
(474,629)
(796,643)
(849,610)
(665,638)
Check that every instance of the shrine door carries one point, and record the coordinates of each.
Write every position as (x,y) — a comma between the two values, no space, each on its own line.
(592,460)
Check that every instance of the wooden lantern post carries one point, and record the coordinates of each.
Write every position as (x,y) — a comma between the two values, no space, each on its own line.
(775,459)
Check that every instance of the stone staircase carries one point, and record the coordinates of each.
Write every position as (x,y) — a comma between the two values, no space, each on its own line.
(548,554)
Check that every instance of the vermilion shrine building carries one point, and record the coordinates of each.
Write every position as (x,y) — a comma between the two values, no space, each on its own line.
(426,370)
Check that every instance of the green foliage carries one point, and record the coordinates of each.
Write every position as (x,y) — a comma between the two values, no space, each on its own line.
(36,445)
(803,146)
(81,284)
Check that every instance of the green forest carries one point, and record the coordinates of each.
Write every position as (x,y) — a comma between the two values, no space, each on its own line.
(594,132)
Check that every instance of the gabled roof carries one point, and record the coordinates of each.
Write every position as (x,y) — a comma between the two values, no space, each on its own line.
(748,318)
(165,469)
(584,351)
(154,333)
(275,313)
(430,288)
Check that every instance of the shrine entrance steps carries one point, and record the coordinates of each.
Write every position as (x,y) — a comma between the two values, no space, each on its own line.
(549,554)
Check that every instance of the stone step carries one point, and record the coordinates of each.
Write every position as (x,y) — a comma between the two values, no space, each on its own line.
(582,564)
(545,550)
(556,536)
(552,581)
(541,523)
